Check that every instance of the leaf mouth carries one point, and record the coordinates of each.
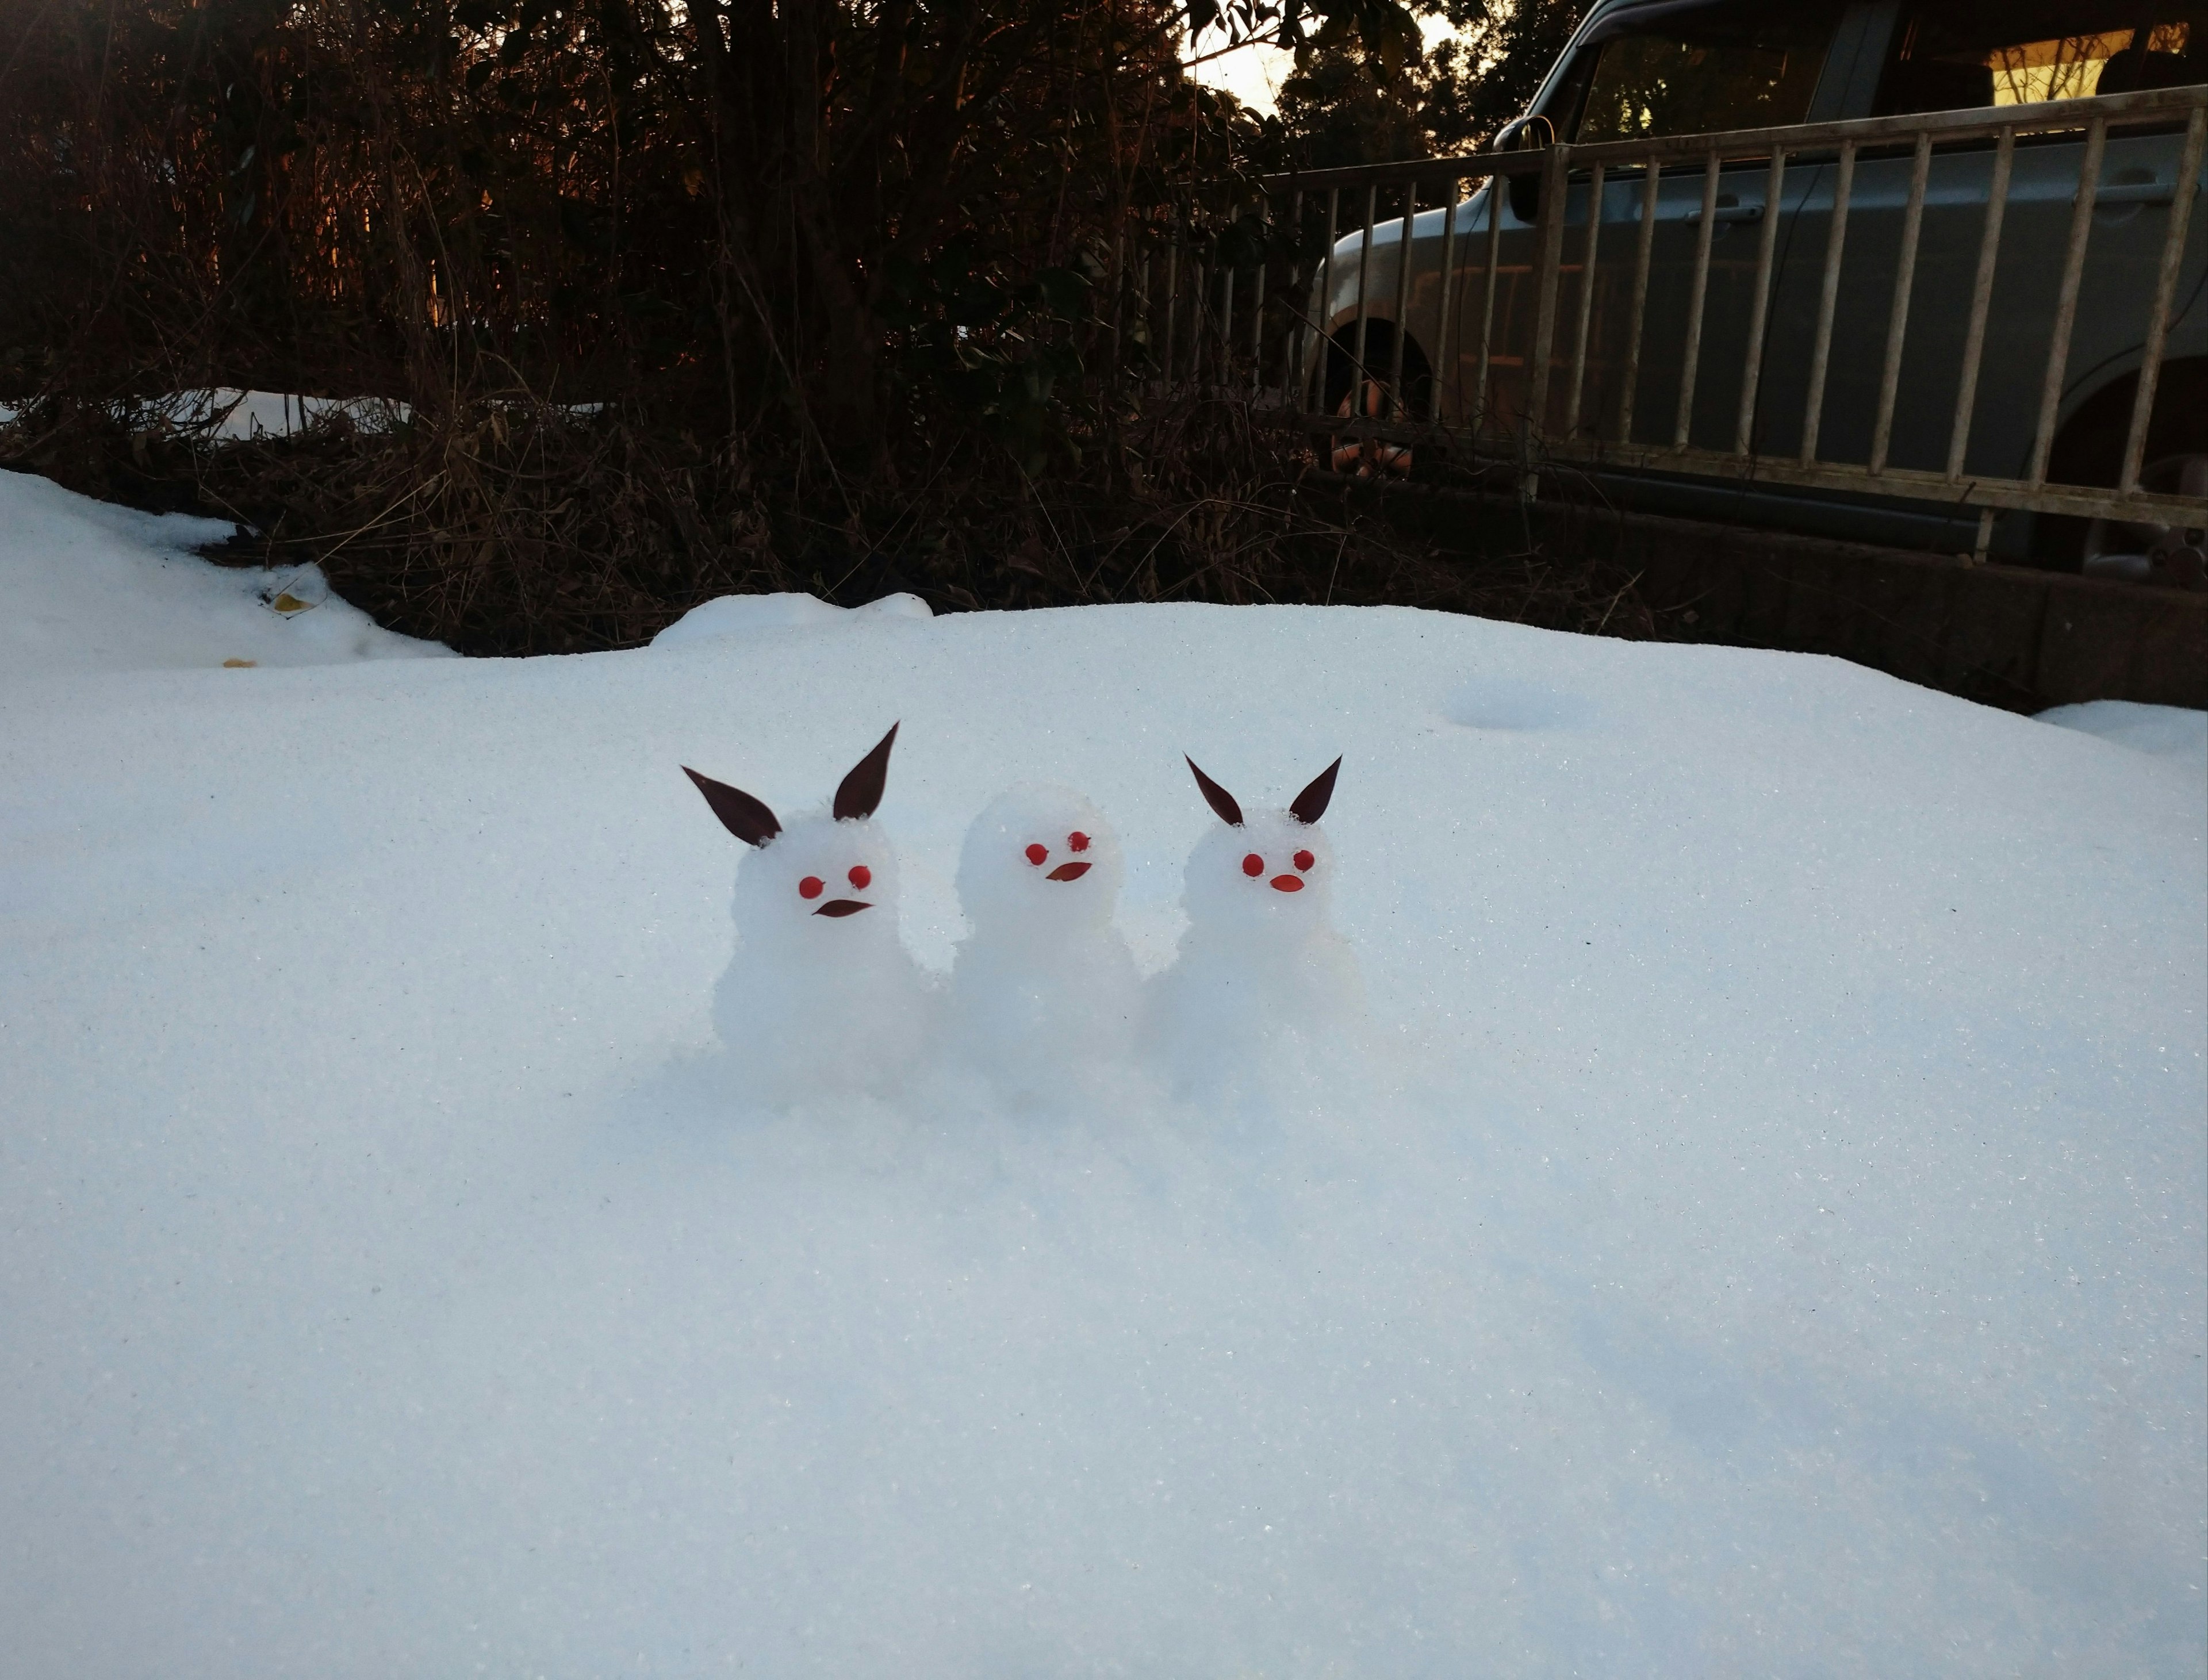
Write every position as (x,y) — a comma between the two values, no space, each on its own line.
(1068,871)
(843,907)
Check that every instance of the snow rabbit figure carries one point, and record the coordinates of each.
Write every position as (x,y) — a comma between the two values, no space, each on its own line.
(820,997)
(1260,969)
(1044,989)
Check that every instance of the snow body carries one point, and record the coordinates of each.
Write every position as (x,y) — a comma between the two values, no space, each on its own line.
(1800,1271)
(1044,992)
(815,1003)
(1261,971)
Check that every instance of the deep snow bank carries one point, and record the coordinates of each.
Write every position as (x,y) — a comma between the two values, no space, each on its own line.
(88,586)
(1772,1242)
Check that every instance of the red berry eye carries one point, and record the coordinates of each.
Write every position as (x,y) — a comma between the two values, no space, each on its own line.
(1037,853)
(811,887)
(861,876)
(1078,840)
(1305,859)
(1253,865)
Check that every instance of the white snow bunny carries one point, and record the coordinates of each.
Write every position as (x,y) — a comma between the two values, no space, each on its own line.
(821,997)
(1043,990)
(1260,969)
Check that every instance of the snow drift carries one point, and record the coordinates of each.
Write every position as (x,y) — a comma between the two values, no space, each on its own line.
(1766,1235)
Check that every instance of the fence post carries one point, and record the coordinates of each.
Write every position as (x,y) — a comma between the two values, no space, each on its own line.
(1402,299)
(1982,296)
(1698,295)
(2066,302)
(2165,291)
(1292,332)
(1172,312)
(1829,300)
(1586,305)
(1774,193)
(1896,319)
(1446,371)
(1364,285)
(1555,203)
(1319,316)
(1643,260)
(1496,189)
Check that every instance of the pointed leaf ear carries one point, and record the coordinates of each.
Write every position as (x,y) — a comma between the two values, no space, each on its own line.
(1217,797)
(1310,804)
(745,817)
(861,790)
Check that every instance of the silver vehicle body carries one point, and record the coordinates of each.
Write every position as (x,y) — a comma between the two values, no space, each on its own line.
(2130,221)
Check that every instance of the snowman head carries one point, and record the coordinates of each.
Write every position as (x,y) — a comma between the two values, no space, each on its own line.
(1268,875)
(827,882)
(1039,862)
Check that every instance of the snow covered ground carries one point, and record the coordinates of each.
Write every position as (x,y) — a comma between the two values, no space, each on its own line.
(1769,1238)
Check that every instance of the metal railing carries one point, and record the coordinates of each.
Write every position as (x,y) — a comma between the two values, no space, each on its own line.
(1255,300)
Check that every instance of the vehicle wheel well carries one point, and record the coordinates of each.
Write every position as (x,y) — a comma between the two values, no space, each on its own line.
(1379,357)
(2088,449)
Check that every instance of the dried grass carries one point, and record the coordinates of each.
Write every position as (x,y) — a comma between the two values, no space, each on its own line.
(511,527)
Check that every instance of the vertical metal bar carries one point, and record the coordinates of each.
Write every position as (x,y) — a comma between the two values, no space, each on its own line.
(1172,296)
(1364,285)
(2165,291)
(1143,299)
(2066,301)
(1257,325)
(1292,334)
(1119,297)
(1446,371)
(1496,188)
(1199,299)
(1396,405)
(1225,325)
(1555,203)
(1586,305)
(1759,306)
(1896,319)
(1642,261)
(1982,298)
(1322,310)
(1691,363)
(1828,299)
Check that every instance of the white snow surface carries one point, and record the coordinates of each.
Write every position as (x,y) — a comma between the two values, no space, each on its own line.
(2166,732)
(85,586)
(1767,1235)
(744,614)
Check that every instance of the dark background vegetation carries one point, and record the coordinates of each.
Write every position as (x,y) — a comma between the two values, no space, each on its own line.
(743,294)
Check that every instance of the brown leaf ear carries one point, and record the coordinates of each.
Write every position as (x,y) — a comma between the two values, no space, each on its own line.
(745,817)
(861,790)
(1217,797)
(1310,804)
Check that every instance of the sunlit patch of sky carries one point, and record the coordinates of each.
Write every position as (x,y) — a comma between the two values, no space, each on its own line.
(1254,74)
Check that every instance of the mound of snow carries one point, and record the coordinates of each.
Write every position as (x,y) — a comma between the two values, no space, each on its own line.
(750,615)
(89,586)
(2173,734)
(1766,1235)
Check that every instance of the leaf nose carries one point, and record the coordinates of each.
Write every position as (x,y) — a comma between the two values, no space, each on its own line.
(1287,884)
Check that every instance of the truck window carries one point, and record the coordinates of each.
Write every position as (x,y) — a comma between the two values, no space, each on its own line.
(1700,69)
(1962,54)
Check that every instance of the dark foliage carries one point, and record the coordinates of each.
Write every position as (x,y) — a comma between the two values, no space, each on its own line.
(679,300)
